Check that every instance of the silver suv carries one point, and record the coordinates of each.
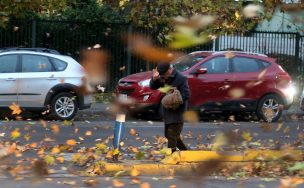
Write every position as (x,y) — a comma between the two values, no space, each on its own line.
(42,80)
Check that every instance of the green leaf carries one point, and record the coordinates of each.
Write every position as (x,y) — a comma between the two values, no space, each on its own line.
(165,89)
(139,155)
(50,160)
(297,166)
(117,174)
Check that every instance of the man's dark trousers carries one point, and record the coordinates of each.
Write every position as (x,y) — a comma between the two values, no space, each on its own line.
(172,133)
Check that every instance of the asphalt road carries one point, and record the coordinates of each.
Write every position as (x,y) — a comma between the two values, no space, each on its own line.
(89,131)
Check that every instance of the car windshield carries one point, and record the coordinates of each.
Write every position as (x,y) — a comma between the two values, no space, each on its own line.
(185,62)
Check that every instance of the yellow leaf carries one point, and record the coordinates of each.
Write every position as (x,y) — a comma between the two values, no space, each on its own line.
(55,150)
(15,108)
(88,133)
(121,144)
(246,136)
(50,160)
(115,151)
(71,142)
(237,15)
(60,159)
(165,89)
(15,134)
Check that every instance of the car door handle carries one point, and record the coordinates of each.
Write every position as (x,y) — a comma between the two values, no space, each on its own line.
(10,79)
(227,81)
(52,78)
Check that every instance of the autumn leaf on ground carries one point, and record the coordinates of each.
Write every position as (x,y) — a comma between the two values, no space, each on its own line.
(115,151)
(140,155)
(247,136)
(91,182)
(55,129)
(15,108)
(117,183)
(88,133)
(297,166)
(15,134)
(71,142)
(132,132)
(55,150)
(291,182)
(49,159)
(145,185)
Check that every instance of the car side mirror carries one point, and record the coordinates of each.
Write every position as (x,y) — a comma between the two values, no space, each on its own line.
(201,71)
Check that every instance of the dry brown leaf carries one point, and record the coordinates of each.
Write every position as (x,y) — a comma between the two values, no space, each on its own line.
(117,183)
(15,109)
(143,47)
(55,128)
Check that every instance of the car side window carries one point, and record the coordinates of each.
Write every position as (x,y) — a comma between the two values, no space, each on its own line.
(36,63)
(243,64)
(8,63)
(217,65)
(59,65)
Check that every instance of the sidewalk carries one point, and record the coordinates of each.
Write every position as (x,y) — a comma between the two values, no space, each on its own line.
(99,111)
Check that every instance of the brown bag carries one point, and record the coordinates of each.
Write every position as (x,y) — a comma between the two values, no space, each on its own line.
(173,99)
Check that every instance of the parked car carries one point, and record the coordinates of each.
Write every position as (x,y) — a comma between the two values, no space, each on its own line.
(39,79)
(245,82)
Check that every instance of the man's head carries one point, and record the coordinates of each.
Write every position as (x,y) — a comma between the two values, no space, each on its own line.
(165,70)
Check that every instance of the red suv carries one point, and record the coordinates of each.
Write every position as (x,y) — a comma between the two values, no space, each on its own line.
(222,81)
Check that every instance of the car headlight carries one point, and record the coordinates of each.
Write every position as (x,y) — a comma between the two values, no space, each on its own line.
(292,90)
(144,83)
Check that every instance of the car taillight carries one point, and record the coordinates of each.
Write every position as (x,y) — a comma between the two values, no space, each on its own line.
(283,80)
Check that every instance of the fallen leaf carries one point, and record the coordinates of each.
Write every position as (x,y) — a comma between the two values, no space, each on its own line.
(55,128)
(132,132)
(15,108)
(145,185)
(15,134)
(117,183)
(71,142)
(88,133)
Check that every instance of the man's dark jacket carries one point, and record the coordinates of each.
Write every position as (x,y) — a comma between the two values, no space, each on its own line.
(179,81)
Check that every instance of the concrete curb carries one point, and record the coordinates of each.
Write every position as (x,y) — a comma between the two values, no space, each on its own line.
(227,156)
(186,162)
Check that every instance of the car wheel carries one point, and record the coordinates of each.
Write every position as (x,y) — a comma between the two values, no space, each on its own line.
(64,106)
(269,108)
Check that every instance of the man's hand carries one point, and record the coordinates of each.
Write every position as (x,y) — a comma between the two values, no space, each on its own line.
(155,74)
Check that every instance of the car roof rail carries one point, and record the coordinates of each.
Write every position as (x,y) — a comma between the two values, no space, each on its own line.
(240,52)
(45,50)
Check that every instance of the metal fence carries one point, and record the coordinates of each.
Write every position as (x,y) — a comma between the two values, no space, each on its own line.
(70,37)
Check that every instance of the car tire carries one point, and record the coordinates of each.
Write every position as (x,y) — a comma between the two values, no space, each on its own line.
(269,108)
(64,106)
